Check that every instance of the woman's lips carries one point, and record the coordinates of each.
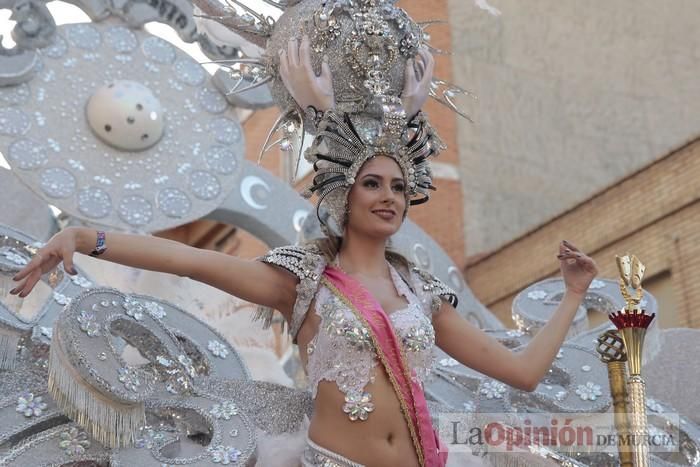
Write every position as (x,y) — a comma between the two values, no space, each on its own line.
(385,214)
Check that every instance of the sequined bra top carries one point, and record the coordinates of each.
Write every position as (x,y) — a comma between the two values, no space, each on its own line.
(342,350)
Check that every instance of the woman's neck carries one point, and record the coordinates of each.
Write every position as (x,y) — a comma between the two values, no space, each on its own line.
(363,256)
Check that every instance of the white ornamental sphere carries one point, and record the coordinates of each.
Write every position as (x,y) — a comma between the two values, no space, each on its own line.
(126,115)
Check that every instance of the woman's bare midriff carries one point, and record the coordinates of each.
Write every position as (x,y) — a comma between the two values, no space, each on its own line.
(383,440)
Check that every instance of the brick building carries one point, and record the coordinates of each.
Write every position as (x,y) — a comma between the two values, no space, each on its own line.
(653,213)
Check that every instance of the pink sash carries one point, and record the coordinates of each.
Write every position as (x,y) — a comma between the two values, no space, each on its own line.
(431,452)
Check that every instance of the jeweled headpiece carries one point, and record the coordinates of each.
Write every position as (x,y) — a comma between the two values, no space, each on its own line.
(366,45)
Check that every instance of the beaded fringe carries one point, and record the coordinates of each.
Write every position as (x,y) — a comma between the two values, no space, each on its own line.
(114,424)
(9,357)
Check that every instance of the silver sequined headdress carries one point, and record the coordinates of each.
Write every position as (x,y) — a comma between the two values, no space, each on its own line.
(367,45)
(339,151)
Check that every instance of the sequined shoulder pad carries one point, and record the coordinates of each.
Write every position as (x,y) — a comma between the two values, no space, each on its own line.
(307,264)
(434,287)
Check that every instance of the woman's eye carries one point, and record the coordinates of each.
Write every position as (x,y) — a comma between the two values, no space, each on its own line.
(371,184)
(399,187)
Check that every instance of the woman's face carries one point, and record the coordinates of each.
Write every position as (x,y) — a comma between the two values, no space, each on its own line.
(377,198)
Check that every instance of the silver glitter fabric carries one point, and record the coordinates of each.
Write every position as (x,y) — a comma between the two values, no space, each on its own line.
(53,141)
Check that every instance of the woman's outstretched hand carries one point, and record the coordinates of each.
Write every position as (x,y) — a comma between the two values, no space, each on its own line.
(577,269)
(417,82)
(60,248)
(300,79)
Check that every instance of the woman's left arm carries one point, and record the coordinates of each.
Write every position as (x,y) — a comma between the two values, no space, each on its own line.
(474,348)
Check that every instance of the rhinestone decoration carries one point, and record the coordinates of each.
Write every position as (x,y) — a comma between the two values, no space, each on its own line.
(15,95)
(13,256)
(121,39)
(218,349)
(469,406)
(155,309)
(158,50)
(94,202)
(589,392)
(83,36)
(46,331)
(88,324)
(586,368)
(225,410)
(130,379)
(57,49)
(493,389)
(135,210)
(173,202)
(61,299)
(419,338)
(27,154)
(102,356)
(81,281)
(186,362)
(74,442)
(134,308)
(448,362)
(336,323)
(358,406)
(30,405)
(14,122)
(189,72)
(225,130)
(148,438)
(221,160)
(224,454)
(57,182)
(537,295)
(652,404)
(596,284)
(211,100)
(204,185)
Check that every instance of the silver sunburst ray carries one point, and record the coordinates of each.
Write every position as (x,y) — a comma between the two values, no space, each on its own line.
(247,73)
(445,93)
(425,25)
(251,25)
(289,127)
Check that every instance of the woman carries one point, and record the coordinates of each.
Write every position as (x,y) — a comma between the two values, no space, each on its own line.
(365,320)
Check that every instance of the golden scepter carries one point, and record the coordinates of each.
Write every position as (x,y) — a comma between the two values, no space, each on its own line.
(612,352)
(632,322)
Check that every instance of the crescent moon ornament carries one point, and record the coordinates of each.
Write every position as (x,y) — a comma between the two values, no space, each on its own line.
(247,185)
(298,219)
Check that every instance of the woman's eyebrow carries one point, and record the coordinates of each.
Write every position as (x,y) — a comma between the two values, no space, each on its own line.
(395,179)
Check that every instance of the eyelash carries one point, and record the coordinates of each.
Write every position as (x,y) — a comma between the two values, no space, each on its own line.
(373,184)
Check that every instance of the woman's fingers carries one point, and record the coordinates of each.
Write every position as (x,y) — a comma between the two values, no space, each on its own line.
(34,263)
(29,284)
(68,262)
(284,68)
(410,75)
(293,53)
(305,56)
(570,246)
(325,70)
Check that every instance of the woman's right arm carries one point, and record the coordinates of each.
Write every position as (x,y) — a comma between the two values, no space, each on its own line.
(249,280)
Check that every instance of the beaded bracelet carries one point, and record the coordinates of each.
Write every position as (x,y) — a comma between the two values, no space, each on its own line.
(99,245)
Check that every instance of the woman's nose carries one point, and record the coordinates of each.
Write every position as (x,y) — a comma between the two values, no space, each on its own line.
(388,194)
